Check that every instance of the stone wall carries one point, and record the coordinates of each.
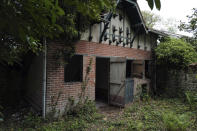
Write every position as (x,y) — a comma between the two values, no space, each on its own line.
(175,83)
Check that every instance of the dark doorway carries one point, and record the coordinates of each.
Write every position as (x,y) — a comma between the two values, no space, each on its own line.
(102,79)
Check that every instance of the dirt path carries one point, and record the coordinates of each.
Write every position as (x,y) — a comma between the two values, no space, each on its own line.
(110,112)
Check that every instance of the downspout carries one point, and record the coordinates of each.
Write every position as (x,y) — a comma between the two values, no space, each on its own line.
(44,79)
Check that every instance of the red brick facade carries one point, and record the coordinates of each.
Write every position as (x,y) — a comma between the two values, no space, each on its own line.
(89,50)
(97,49)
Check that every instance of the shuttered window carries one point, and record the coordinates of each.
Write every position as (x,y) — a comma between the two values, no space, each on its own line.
(73,71)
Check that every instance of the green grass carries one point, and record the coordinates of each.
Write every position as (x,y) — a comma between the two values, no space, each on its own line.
(152,115)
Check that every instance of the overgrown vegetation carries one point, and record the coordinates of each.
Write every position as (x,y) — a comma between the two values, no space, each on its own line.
(175,53)
(153,115)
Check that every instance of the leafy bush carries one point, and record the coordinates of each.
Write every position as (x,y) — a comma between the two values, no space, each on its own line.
(175,122)
(32,120)
(175,53)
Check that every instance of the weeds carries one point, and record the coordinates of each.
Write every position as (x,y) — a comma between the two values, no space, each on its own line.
(176,122)
(159,114)
(191,98)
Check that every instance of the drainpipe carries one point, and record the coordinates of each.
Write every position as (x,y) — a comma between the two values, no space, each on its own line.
(44,79)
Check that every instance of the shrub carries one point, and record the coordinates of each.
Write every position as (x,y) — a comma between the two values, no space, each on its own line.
(175,53)
(86,110)
(32,120)
(175,122)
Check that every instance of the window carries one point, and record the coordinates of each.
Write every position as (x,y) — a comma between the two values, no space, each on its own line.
(73,71)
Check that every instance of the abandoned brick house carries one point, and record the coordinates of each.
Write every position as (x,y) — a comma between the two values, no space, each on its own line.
(120,49)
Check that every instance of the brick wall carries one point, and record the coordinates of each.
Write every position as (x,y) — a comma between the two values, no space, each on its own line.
(89,50)
(56,83)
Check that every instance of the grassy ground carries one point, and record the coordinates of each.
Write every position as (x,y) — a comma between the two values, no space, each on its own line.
(158,115)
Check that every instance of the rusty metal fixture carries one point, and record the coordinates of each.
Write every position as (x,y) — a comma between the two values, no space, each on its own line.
(114,29)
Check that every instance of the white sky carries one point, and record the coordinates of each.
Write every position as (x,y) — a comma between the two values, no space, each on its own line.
(172,9)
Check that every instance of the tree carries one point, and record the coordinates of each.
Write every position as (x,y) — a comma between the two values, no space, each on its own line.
(150,18)
(175,53)
(24,23)
(191,26)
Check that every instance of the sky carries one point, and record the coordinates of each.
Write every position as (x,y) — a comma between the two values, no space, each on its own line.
(176,10)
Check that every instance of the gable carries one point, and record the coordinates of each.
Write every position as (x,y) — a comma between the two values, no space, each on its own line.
(123,27)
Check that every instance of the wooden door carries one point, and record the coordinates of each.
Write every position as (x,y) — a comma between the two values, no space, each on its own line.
(117,81)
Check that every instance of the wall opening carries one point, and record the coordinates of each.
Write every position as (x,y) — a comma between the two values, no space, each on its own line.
(102,79)
(129,68)
(73,71)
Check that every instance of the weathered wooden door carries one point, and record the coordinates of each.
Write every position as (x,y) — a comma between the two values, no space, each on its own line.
(117,81)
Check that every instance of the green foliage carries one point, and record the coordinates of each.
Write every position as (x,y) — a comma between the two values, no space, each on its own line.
(175,122)
(32,120)
(84,111)
(159,114)
(142,93)
(190,40)
(23,24)
(175,53)
(191,98)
